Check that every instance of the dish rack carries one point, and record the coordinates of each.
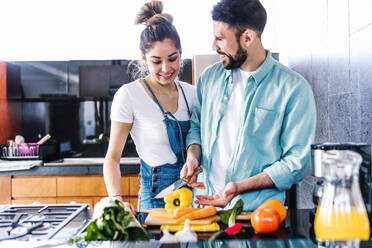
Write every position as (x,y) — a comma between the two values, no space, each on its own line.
(46,152)
(18,153)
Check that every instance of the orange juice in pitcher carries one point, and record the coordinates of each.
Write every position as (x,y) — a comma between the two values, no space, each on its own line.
(341,225)
(341,218)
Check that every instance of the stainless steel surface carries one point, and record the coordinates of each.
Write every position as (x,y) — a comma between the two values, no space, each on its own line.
(178,184)
(42,222)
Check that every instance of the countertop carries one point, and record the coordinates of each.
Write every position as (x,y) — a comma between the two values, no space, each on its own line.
(295,232)
(67,166)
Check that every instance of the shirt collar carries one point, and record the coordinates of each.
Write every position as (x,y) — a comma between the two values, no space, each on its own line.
(261,71)
(264,69)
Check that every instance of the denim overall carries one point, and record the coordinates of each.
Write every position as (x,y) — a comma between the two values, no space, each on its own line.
(155,179)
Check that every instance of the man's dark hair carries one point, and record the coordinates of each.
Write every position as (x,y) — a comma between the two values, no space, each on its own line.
(241,14)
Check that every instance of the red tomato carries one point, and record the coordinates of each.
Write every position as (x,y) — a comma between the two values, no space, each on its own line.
(265,220)
(277,205)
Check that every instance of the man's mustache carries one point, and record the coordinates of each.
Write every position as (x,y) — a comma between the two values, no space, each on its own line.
(222,53)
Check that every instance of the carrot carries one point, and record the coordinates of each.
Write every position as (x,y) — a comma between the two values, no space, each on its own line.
(198,214)
(182,211)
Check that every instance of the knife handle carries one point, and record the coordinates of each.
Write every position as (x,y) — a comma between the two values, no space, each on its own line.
(196,172)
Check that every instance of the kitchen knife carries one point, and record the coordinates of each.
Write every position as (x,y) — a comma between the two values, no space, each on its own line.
(177,184)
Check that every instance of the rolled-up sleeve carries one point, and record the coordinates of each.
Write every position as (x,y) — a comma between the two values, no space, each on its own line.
(193,136)
(297,134)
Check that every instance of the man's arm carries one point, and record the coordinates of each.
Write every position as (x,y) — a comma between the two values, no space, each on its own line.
(193,139)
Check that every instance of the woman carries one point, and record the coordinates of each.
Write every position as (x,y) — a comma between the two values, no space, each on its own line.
(155,110)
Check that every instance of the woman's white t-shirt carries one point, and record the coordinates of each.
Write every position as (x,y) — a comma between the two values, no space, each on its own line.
(132,104)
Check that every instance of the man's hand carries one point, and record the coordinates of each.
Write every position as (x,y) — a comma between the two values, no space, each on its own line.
(221,199)
(192,162)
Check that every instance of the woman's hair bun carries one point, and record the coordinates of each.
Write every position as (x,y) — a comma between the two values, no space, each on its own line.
(151,13)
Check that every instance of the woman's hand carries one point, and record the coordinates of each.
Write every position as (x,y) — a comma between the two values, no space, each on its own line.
(130,207)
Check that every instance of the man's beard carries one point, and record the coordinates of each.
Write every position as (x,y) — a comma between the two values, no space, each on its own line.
(236,61)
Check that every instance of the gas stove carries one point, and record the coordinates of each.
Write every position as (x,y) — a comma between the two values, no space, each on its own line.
(43,221)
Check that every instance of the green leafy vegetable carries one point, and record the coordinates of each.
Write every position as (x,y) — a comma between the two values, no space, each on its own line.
(114,223)
(228,216)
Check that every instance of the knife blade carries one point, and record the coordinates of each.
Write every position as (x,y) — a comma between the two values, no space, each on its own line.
(177,184)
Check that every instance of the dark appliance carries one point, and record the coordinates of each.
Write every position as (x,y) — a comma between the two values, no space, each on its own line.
(96,81)
(13,81)
(42,222)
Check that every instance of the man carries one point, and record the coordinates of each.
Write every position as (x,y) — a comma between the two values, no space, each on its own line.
(254,119)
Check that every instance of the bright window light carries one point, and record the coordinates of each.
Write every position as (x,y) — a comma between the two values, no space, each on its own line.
(44,30)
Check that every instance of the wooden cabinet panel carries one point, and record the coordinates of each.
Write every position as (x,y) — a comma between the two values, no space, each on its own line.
(81,186)
(68,200)
(62,189)
(43,200)
(33,187)
(5,189)
(134,202)
(133,187)
(125,182)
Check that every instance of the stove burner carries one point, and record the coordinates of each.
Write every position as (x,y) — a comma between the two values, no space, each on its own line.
(41,222)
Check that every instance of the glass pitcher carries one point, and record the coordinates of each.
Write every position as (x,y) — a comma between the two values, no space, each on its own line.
(341,218)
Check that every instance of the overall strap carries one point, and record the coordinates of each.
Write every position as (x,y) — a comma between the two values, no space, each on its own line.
(184,96)
(153,95)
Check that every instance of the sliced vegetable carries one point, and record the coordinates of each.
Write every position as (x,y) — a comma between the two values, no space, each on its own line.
(180,198)
(199,214)
(182,211)
(234,229)
(228,217)
(212,227)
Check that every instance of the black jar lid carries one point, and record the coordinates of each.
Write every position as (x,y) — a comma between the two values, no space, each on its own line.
(338,146)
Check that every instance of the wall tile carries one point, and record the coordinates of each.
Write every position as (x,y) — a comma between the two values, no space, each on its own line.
(304,191)
(361,77)
(355,117)
(339,117)
(319,85)
(340,74)
(338,45)
(360,14)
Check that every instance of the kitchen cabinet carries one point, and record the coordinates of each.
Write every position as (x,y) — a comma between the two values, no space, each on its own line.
(5,187)
(62,189)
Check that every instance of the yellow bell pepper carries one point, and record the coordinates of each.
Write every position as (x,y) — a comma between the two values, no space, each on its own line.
(180,198)
(213,227)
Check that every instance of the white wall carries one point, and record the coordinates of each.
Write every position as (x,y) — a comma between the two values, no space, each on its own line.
(94,29)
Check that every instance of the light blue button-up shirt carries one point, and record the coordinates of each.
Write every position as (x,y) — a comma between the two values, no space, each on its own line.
(274,133)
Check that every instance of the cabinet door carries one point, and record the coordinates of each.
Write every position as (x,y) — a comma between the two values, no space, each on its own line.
(42,200)
(5,186)
(68,200)
(133,187)
(33,187)
(81,186)
(125,184)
